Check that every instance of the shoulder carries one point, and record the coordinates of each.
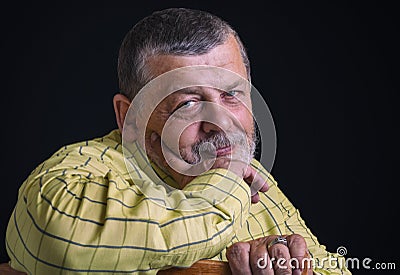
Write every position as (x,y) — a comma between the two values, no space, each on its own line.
(97,156)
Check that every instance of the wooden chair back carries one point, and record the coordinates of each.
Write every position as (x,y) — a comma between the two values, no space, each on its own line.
(204,267)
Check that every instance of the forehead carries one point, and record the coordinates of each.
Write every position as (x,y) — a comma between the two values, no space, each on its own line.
(226,55)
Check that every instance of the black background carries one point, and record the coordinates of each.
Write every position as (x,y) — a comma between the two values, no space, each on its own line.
(329,73)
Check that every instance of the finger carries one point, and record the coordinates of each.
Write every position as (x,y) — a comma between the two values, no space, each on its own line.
(264,188)
(256,182)
(280,256)
(298,250)
(238,258)
(260,262)
(255,198)
(307,265)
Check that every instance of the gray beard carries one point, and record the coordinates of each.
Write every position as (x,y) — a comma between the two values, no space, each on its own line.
(243,150)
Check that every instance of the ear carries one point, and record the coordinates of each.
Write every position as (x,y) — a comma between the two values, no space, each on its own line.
(121,106)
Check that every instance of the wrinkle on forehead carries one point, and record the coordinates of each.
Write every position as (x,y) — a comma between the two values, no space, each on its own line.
(226,56)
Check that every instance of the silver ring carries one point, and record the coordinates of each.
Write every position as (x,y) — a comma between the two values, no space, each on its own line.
(281,240)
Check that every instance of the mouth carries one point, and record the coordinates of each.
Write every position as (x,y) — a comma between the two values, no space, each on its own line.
(223,151)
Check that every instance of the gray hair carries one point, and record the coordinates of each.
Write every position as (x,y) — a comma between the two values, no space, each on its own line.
(175,31)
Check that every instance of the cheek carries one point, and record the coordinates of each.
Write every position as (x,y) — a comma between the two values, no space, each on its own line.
(190,135)
(245,118)
(155,124)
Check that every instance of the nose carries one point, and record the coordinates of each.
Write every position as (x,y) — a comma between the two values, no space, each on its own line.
(216,119)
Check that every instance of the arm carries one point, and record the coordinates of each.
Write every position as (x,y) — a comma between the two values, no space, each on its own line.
(76,217)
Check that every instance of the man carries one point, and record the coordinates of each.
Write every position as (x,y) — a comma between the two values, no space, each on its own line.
(102,206)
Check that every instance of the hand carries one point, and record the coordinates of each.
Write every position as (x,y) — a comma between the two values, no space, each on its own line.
(255,257)
(248,173)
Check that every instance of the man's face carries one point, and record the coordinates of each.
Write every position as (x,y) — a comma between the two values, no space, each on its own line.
(230,110)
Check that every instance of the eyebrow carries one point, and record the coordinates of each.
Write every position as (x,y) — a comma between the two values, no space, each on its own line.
(196,89)
(188,90)
(233,85)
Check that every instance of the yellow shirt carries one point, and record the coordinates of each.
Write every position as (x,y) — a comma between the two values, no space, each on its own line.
(80,211)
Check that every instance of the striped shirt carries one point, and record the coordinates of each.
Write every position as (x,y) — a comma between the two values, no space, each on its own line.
(81,211)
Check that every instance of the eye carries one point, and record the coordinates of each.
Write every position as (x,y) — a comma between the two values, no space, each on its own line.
(232,96)
(231,93)
(186,104)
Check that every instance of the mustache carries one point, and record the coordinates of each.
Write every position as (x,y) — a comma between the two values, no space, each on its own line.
(206,148)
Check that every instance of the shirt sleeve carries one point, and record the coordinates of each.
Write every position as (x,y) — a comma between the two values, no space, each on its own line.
(83,217)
